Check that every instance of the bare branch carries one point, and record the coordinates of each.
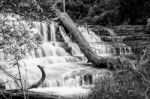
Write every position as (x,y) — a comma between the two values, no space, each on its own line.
(8,73)
(41,80)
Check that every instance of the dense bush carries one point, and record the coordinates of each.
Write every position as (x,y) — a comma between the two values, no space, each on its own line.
(101,12)
(128,82)
(108,12)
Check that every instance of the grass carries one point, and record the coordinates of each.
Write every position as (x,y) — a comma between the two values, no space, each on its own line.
(129,81)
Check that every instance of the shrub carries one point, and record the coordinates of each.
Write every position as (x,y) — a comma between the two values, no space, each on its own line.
(128,82)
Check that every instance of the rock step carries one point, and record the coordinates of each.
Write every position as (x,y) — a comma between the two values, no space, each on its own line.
(134,38)
(137,38)
(130,33)
(138,42)
(124,38)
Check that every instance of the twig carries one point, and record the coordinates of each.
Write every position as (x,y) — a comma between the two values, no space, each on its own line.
(8,74)
(19,71)
(3,95)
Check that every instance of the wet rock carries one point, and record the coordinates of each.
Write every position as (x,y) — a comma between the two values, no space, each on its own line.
(86,77)
(148,21)
(2,86)
(147,29)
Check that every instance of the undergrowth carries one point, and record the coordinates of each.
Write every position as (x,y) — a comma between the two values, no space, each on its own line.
(130,81)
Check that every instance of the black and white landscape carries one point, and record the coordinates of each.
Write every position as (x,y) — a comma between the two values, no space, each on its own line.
(68,49)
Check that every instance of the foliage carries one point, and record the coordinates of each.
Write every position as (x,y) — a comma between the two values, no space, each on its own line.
(106,12)
(131,81)
(16,40)
(101,12)
(29,9)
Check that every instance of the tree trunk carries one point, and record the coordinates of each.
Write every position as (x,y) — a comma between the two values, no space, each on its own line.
(84,46)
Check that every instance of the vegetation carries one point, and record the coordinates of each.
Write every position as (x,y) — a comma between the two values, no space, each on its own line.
(16,41)
(100,12)
(131,80)
(108,12)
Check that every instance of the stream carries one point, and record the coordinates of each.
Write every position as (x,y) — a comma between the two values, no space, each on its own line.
(67,70)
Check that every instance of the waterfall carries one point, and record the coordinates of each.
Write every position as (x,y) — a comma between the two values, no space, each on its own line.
(63,62)
(44,31)
(53,32)
(110,31)
(89,35)
(64,35)
(98,46)
(57,60)
(75,50)
(122,49)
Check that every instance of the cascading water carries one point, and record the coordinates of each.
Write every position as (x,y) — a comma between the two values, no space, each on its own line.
(55,59)
(121,48)
(74,48)
(63,66)
(53,31)
(98,46)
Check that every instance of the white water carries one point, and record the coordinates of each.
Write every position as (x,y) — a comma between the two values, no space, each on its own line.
(122,49)
(63,69)
(98,46)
